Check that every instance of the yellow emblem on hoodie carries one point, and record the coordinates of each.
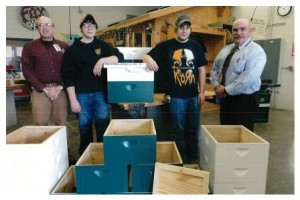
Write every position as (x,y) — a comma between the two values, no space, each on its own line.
(98,51)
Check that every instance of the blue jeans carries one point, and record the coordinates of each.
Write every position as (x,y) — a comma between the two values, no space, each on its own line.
(94,109)
(185,115)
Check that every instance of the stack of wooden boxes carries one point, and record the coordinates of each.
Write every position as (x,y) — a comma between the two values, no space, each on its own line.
(129,147)
(123,164)
(36,158)
(236,158)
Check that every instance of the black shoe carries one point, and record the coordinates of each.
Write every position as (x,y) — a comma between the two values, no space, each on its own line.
(72,160)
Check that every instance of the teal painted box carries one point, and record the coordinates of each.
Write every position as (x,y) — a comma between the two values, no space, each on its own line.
(130,141)
(100,179)
(93,177)
(142,174)
(129,82)
(142,178)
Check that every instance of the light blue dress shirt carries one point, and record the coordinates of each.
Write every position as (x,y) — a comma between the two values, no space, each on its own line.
(244,71)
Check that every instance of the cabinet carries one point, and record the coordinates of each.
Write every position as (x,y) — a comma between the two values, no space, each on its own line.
(134,35)
(272,50)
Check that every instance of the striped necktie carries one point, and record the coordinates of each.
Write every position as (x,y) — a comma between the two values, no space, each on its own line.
(226,63)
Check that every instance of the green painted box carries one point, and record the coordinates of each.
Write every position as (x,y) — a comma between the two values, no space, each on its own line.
(129,82)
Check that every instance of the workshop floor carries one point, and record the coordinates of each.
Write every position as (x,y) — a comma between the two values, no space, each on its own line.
(278,131)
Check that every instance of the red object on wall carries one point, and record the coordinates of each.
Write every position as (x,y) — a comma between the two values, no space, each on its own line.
(9,67)
(293,50)
(21,90)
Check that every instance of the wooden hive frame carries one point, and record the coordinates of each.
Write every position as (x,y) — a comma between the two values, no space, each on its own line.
(170,179)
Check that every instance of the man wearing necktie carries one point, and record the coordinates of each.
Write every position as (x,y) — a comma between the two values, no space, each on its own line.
(235,77)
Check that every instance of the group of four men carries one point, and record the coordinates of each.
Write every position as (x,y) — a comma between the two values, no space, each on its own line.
(51,66)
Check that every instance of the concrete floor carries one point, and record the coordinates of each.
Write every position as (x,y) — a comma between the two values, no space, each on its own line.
(278,131)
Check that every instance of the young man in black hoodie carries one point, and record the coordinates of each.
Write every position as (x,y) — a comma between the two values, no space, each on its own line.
(86,81)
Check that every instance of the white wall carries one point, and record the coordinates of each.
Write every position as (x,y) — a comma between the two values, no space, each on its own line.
(104,15)
(276,27)
(285,97)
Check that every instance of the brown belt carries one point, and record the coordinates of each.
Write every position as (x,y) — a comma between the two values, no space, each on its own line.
(52,84)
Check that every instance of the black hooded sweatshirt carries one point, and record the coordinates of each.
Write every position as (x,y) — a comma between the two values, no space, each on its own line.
(79,61)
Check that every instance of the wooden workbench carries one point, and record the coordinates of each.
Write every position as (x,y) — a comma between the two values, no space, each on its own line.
(158,101)
(158,111)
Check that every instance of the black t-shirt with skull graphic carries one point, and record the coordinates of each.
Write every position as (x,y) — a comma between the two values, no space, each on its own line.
(178,66)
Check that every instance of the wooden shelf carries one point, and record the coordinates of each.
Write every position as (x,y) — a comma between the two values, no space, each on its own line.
(209,31)
(144,18)
(163,20)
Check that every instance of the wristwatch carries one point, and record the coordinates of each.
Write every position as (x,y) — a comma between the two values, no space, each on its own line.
(60,87)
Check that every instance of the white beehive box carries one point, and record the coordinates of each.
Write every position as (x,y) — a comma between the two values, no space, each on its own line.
(236,158)
(37,157)
(129,82)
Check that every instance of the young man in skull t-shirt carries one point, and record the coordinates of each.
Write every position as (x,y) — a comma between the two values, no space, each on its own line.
(181,62)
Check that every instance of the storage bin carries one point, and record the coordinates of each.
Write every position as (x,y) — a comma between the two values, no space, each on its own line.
(234,156)
(36,158)
(129,82)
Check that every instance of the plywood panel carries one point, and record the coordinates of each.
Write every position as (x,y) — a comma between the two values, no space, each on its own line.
(170,179)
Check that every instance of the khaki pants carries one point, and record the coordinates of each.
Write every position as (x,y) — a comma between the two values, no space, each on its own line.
(43,108)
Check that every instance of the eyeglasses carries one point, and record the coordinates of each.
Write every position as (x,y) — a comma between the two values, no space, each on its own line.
(47,25)
(88,25)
